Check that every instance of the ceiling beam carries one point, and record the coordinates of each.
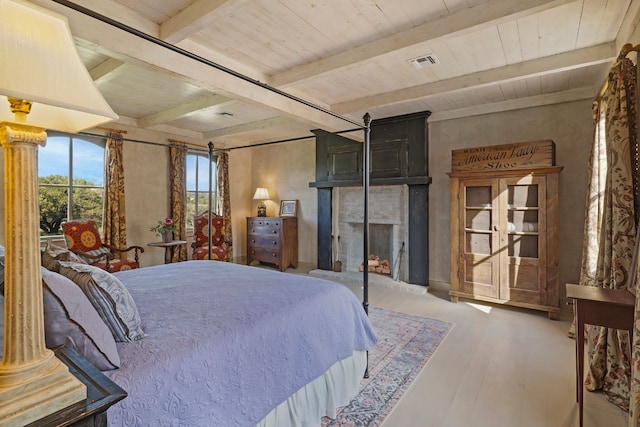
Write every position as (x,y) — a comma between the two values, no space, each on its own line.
(453,25)
(179,111)
(108,70)
(141,52)
(193,18)
(547,65)
(248,127)
(587,92)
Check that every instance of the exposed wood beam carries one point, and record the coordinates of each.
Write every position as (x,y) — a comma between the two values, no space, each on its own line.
(248,127)
(469,20)
(107,70)
(182,110)
(190,20)
(551,64)
(143,53)
(588,92)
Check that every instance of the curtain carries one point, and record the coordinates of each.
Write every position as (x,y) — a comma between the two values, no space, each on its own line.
(178,196)
(113,216)
(223,193)
(610,227)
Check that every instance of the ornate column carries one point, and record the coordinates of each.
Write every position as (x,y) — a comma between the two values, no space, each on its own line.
(33,382)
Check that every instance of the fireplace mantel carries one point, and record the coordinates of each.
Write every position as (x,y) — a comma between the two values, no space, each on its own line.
(399,156)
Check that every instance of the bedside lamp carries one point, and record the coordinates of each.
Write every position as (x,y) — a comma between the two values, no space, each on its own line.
(40,67)
(261,194)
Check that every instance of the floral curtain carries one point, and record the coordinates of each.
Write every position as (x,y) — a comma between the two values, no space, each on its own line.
(113,216)
(223,192)
(610,228)
(178,196)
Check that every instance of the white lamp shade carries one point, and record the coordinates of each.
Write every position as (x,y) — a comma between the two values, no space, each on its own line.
(40,64)
(261,194)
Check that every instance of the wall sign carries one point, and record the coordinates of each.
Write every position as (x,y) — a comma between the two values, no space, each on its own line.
(508,156)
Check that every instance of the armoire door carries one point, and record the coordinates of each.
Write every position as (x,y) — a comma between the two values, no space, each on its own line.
(479,252)
(523,220)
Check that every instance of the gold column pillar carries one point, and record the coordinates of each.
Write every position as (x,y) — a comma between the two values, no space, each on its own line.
(33,382)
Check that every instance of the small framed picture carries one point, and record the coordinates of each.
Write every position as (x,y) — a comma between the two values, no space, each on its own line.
(288,207)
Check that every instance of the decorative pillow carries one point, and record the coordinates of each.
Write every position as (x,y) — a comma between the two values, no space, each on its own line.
(82,235)
(111,299)
(70,319)
(52,254)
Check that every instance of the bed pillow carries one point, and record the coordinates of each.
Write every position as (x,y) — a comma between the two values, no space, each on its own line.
(110,298)
(71,320)
(53,254)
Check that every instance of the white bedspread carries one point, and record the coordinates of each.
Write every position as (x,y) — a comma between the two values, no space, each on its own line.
(227,343)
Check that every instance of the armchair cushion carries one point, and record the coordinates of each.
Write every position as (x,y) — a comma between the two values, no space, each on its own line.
(82,237)
(220,246)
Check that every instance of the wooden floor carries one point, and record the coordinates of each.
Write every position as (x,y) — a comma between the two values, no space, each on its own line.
(498,366)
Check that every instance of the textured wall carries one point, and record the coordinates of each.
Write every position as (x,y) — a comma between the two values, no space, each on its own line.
(569,125)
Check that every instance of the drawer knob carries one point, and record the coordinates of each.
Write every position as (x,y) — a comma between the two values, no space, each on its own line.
(275,243)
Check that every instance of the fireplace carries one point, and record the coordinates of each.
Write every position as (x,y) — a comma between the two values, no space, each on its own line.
(388,231)
(398,197)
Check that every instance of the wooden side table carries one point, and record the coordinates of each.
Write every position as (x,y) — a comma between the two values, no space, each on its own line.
(168,248)
(611,308)
(102,393)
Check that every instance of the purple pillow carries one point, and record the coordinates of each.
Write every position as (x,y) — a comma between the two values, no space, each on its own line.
(70,319)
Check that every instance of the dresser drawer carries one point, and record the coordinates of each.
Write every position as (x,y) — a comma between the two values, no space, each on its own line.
(265,254)
(262,241)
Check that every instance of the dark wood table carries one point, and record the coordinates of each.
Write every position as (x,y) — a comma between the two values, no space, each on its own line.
(611,308)
(168,248)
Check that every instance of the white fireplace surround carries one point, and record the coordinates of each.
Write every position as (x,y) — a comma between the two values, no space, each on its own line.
(388,216)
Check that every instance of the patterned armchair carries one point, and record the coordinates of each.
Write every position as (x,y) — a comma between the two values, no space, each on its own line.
(220,249)
(83,239)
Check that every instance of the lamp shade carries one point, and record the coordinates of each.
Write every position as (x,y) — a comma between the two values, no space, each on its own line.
(261,194)
(40,64)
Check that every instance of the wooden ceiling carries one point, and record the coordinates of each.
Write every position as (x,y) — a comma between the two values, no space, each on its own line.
(348,57)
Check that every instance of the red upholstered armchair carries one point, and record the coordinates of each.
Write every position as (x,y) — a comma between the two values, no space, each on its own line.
(83,239)
(220,247)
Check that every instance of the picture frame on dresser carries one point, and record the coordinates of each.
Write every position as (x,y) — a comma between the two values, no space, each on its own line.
(288,207)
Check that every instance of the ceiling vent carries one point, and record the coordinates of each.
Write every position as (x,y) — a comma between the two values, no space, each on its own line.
(423,61)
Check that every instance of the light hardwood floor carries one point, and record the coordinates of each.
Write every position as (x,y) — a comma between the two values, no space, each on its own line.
(499,366)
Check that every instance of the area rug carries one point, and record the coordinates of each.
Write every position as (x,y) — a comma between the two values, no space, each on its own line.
(405,343)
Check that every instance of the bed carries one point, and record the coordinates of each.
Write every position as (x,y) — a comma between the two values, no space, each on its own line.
(231,345)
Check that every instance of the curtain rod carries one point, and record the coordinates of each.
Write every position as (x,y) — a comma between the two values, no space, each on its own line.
(159,144)
(200,59)
(624,51)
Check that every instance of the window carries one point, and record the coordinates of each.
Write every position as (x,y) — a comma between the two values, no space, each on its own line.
(198,186)
(70,179)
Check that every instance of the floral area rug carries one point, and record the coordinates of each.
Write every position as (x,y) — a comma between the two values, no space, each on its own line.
(405,343)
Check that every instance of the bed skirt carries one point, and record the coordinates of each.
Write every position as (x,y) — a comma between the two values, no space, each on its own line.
(321,397)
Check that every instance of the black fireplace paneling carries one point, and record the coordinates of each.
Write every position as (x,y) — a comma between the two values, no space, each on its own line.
(399,156)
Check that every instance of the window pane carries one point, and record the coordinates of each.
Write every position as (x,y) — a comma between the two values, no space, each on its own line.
(53,159)
(53,209)
(203,174)
(191,172)
(87,204)
(88,162)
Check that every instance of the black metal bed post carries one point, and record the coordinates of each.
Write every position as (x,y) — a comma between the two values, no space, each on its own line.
(209,227)
(365,225)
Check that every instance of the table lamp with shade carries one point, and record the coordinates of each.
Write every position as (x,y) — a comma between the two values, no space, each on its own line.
(43,85)
(261,194)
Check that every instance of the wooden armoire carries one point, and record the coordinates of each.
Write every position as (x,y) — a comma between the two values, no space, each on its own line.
(504,225)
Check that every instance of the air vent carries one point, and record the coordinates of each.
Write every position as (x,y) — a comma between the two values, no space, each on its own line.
(423,61)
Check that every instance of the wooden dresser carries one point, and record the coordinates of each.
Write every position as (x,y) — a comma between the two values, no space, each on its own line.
(273,241)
